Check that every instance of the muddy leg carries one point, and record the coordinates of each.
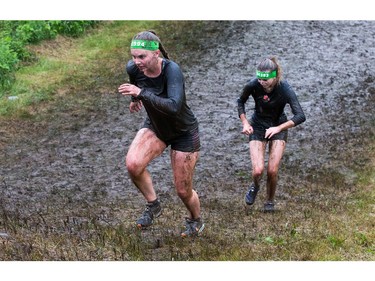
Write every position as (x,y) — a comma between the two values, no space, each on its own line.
(183,165)
(145,147)
(257,151)
(277,148)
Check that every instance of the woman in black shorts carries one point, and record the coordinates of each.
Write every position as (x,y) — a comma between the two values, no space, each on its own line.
(268,124)
(157,84)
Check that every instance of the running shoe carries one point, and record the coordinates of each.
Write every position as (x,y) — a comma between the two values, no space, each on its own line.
(152,210)
(251,194)
(193,227)
(269,207)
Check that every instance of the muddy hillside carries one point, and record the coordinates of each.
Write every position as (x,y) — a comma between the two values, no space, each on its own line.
(329,64)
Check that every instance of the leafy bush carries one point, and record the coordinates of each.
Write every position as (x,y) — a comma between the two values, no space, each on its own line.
(72,28)
(35,31)
(8,62)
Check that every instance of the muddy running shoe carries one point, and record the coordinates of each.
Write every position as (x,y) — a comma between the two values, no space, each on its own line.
(251,194)
(269,207)
(193,227)
(152,210)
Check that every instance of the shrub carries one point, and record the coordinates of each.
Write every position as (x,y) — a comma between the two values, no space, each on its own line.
(8,62)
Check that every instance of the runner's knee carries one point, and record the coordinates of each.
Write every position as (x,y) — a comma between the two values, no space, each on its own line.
(272,171)
(257,172)
(133,166)
(184,193)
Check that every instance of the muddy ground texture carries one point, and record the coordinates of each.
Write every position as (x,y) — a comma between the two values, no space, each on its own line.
(77,159)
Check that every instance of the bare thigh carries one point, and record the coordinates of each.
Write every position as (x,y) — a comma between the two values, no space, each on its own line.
(277,148)
(257,152)
(145,147)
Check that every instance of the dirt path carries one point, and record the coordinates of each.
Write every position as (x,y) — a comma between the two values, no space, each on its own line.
(329,64)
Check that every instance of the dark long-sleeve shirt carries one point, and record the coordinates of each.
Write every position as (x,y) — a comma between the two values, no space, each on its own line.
(269,107)
(164,100)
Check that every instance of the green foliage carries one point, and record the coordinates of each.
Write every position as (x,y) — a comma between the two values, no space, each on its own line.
(34,31)
(16,35)
(8,61)
(72,28)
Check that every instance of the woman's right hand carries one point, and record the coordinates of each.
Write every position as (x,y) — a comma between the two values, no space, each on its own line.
(247,129)
(135,106)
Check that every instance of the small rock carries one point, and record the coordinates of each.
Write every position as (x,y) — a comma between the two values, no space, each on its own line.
(4,235)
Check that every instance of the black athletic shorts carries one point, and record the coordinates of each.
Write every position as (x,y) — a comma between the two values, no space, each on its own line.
(189,142)
(260,132)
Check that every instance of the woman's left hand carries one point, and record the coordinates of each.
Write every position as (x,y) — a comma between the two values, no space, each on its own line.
(272,131)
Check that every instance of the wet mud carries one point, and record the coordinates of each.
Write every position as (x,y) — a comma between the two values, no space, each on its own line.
(329,64)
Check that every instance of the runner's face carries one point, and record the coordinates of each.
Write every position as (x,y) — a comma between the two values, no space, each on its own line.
(144,59)
(266,84)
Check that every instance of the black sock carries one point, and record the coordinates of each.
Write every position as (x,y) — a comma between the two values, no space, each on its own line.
(155,202)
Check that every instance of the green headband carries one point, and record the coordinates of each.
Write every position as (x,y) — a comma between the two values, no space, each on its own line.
(145,44)
(266,75)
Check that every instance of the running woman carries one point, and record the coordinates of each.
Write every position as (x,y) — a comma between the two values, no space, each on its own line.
(268,125)
(157,84)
